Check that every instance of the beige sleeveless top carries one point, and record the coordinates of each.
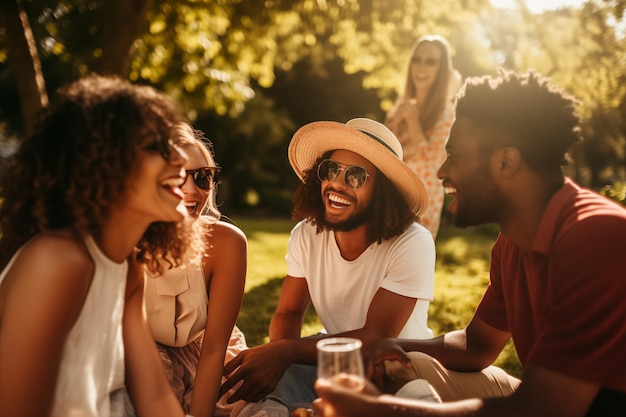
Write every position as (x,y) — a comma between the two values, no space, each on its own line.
(176,304)
(92,364)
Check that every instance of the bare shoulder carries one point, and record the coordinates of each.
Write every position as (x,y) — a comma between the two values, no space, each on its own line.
(53,271)
(224,233)
(230,229)
(226,245)
(59,254)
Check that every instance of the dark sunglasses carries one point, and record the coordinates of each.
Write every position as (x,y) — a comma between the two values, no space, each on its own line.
(354,176)
(431,62)
(204,178)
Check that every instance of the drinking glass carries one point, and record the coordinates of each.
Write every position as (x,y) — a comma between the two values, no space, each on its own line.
(339,361)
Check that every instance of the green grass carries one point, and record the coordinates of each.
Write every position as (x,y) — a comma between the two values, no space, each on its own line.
(461,275)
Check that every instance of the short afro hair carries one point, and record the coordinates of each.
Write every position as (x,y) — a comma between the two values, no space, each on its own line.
(539,119)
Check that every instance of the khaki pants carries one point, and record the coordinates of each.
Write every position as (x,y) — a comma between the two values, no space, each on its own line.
(451,385)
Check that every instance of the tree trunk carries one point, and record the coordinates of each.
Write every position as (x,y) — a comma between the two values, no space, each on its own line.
(123,22)
(24,61)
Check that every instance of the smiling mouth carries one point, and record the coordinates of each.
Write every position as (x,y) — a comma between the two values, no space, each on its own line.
(450,190)
(191,206)
(337,201)
(174,182)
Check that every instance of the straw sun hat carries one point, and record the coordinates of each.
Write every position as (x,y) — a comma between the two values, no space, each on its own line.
(368,138)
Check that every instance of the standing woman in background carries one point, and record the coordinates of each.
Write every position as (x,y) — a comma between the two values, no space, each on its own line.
(192,309)
(98,181)
(421,117)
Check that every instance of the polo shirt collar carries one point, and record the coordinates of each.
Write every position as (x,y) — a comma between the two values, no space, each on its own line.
(547,227)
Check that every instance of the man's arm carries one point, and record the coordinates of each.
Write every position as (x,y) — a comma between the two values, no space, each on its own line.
(387,314)
(542,393)
(469,349)
(261,367)
(287,320)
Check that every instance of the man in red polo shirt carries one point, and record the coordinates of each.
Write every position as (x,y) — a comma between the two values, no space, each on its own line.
(557,280)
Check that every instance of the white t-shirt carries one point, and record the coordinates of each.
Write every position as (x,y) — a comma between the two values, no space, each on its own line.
(341,291)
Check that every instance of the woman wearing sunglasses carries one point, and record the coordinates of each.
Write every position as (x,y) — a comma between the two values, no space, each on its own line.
(99,179)
(192,309)
(423,115)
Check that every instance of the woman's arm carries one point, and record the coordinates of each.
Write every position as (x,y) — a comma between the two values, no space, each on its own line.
(41,298)
(225,270)
(146,381)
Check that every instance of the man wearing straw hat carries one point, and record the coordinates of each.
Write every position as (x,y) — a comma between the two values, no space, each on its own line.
(359,255)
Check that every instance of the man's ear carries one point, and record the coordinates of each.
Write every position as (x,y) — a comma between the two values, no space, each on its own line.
(509,160)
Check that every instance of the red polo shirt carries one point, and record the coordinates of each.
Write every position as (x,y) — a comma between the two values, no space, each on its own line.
(564,301)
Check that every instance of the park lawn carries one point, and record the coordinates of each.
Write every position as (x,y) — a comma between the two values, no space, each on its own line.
(461,275)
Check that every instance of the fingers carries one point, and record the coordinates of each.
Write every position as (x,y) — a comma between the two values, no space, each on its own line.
(392,355)
(233,378)
(234,363)
(227,386)
(377,376)
(249,393)
(322,406)
(323,409)
(248,390)
(336,400)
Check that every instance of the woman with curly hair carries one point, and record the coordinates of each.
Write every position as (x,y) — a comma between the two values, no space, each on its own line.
(97,184)
(192,309)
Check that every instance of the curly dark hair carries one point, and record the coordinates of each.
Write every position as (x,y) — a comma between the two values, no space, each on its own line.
(390,217)
(74,167)
(524,111)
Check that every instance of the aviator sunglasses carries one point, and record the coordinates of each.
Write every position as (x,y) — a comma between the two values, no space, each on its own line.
(204,178)
(354,176)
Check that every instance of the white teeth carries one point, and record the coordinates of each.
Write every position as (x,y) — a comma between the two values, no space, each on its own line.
(191,206)
(450,190)
(336,199)
(173,182)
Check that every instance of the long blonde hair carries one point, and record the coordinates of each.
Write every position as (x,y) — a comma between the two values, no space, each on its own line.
(439,92)
(195,137)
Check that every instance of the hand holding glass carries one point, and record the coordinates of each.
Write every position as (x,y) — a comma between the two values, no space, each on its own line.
(339,361)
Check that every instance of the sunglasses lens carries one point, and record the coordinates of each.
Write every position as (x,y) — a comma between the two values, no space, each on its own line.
(202,179)
(327,170)
(355,177)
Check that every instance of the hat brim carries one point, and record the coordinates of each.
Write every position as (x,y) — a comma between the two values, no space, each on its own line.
(313,140)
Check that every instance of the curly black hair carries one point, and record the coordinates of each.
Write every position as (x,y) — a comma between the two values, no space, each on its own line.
(391,214)
(524,111)
(74,167)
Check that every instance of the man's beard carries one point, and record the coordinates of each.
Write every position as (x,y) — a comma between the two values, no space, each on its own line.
(357,219)
(482,201)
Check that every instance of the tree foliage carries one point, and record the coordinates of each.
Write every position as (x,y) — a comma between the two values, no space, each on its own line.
(250,72)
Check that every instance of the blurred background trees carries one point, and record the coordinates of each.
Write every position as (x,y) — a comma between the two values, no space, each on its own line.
(249,73)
